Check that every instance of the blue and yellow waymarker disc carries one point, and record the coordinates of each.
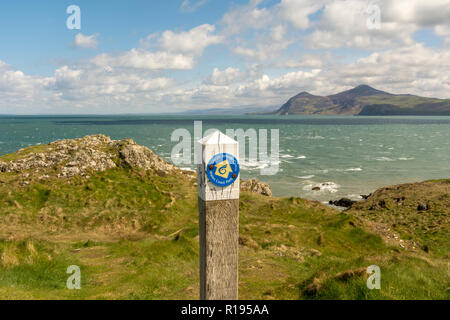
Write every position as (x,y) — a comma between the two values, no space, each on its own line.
(223,169)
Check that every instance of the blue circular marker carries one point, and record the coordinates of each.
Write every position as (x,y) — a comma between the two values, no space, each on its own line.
(223,169)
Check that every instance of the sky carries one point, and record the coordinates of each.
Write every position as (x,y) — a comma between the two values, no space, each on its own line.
(141,56)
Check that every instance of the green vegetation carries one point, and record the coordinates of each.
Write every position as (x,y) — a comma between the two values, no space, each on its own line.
(365,100)
(134,234)
(402,101)
(418,212)
(21,154)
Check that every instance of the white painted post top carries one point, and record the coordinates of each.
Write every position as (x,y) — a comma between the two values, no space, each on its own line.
(213,145)
(217,138)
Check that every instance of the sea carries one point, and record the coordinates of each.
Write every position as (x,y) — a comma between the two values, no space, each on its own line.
(344,156)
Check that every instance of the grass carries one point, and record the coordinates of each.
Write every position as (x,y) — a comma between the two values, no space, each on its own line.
(403,105)
(400,101)
(23,153)
(32,269)
(397,207)
(134,235)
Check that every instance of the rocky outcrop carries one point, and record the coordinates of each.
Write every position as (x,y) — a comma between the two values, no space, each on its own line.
(74,157)
(253,185)
(142,157)
(423,207)
(344,202)
(96,153)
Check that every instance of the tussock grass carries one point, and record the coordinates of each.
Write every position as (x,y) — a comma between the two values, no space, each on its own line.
(134,235)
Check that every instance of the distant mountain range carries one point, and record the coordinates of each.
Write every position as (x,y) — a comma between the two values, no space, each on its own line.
(232,111)
(364,100)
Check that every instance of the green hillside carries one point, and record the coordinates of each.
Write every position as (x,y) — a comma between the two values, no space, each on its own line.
(130,221)
(364,100)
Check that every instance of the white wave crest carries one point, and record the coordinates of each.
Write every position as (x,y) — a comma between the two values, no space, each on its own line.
(384,159)
(330,187)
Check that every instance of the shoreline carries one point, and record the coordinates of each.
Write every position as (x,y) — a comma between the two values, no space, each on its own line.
(328,188)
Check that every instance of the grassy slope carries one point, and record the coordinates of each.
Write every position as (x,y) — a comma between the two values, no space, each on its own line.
(402,101)
(135,236)
(403,104)
(370,105)
(397,207)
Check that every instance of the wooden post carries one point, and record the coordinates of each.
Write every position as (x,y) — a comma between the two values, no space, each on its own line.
(218,205)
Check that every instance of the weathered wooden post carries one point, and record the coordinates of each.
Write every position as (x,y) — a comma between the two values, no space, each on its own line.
(218,206)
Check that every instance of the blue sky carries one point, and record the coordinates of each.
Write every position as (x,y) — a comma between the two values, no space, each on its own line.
(152,56)
(34,33)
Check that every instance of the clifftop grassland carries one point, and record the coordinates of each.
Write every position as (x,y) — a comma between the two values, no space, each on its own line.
(129,220)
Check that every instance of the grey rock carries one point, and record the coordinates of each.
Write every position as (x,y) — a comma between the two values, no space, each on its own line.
(253,185)
(92,153)
(344,202)
(142,157)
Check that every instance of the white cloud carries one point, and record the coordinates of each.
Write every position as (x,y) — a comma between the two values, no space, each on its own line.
(148,40)
(88,83)
(290,82)
(193,41)
(21,93)
(344,23)
(443,31)
(242,18)
(267,46)
(247,52)
(264,39)
(175,51)
(418,12)
(414,69)
(306,61)
(85,87)
(278,32)
(225,77)
(85,42)
(143,59)
(188,6)
(298,12)
(18,87)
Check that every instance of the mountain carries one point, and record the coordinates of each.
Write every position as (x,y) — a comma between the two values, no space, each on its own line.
(364,100)
(350,101)
(305,103)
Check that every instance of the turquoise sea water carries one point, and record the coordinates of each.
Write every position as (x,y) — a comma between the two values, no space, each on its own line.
(345,156)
